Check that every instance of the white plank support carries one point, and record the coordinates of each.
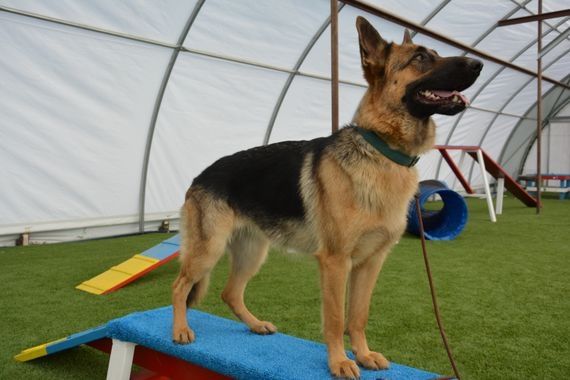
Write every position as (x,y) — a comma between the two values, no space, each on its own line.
(492,215)
(500,195)
(121,360)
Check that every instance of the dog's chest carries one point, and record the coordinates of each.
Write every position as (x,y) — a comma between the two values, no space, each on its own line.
(384,192)
(382,199)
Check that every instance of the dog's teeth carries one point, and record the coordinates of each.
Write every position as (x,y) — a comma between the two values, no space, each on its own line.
(456,99)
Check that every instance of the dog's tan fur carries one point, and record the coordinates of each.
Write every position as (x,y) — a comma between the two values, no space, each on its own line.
(356,204)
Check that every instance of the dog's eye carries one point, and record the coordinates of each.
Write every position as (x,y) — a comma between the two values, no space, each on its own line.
(421,57)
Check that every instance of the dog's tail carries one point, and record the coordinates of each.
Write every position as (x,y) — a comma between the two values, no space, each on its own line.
(198,291)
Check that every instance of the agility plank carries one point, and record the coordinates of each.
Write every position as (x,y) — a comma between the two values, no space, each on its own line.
(492,167)
(135,267)
(63,344)
(223,349)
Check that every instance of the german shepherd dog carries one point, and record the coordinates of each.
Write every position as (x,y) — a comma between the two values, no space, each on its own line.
(337,197)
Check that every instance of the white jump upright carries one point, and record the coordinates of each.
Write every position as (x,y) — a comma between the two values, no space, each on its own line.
(488,196)
(121,360)
(500,195)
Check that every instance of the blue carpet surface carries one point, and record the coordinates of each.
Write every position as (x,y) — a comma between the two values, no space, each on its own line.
(229,348)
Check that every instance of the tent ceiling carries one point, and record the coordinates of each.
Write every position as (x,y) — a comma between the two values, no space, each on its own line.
(114,107)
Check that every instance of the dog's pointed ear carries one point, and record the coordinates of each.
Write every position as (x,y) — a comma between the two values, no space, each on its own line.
(407,37)
(372,47)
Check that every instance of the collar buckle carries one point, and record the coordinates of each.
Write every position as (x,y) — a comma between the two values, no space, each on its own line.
(414,161)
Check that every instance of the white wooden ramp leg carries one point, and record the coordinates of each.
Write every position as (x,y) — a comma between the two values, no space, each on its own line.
(500,194)
(487,189)
(121,360)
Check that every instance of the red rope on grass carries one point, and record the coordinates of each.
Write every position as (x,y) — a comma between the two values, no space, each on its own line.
(433,295)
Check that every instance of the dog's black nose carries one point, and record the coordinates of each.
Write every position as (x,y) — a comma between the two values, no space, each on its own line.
(475,65)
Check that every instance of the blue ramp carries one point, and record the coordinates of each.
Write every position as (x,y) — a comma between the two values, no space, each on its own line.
(229,348)
(226,347)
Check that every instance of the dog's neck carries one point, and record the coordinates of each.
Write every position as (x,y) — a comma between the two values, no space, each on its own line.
(397,127)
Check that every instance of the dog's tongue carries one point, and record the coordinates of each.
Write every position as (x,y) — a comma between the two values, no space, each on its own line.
(449,94)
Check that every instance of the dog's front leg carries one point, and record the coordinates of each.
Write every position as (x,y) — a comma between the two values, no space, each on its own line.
(362,281)
(334,270)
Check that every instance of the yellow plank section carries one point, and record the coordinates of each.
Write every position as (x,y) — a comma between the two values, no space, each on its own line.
(117,274)
(35,352)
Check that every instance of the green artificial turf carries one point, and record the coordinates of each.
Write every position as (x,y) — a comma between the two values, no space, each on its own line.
(503,290)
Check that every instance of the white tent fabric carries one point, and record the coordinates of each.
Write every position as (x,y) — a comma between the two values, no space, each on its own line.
(109,109)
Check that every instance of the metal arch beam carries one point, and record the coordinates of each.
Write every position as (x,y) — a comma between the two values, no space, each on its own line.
(546,22)
(292,75)
(525,141)
(494,27)
(529,139)
(156,109)
(260,65)
(148,41)
(177,47)
(391,17)
(560,119)
(554,43)
(511,98)
(475,43)
(432,14)
(522,51)
(86,27)
(559,107)
(518,54)
(499,71)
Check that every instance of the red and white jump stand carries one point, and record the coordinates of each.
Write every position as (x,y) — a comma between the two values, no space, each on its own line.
(487,165)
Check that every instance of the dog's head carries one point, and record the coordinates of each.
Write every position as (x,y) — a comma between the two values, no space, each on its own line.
(413,78)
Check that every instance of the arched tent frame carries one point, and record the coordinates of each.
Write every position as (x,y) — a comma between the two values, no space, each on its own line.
(305,70)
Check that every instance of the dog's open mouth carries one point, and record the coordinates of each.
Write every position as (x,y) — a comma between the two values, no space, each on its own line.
(440,97)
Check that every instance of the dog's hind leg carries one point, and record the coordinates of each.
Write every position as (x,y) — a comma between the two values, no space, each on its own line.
(248,251)
(361,285)
(206,225)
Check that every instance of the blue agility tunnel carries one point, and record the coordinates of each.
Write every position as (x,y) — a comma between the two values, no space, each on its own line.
(444,224)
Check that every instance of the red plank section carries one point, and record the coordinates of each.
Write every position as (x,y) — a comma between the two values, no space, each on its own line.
(161,366)
(455,168)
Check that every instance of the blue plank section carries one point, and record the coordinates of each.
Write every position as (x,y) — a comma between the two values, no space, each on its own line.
(78,339)
(175,240)
(229,348)
(163,250)
(160,251)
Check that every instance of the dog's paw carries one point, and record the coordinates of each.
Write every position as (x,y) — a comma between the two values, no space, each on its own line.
(183,335)
(345,368)
(264,328)
(373,360)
